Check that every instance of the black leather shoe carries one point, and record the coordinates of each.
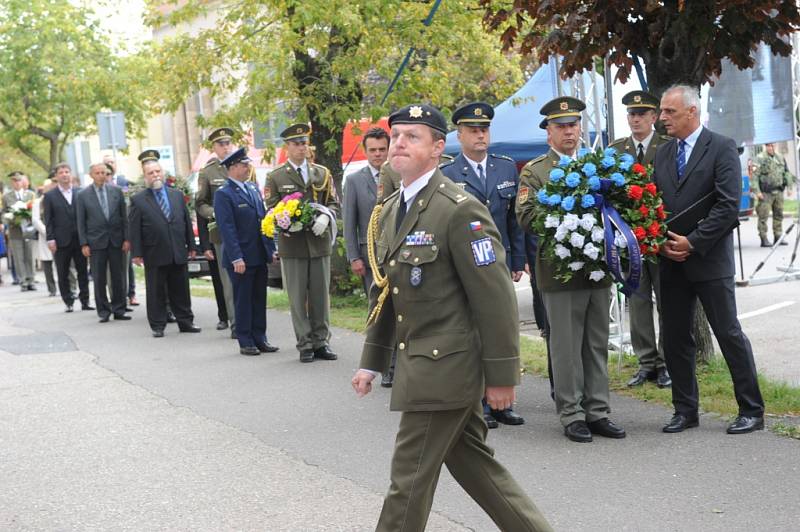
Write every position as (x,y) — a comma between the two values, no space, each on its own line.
(249,350)
(69,308)
(765,243)
(233,333)
(171,317)
(387,379)
(86,306)
(663,380)
(606,428)
(128,309)
(745,424)
(578,431)
(222,325)
(490,421)
(508,417)
(782,243)
(191,328)
(266,347)
(32,288)
(325,353)
(122,317)
(681,422)
(640,378)
(158,333)
(307,355)
(104,319)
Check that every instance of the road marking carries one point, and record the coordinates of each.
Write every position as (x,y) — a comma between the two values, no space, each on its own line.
(765,310)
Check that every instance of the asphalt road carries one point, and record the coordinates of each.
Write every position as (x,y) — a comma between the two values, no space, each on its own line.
(103,427)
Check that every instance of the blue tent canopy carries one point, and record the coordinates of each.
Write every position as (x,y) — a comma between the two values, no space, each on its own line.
(515,127)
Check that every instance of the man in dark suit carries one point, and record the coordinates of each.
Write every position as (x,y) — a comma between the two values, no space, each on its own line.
(493,180)
(238,210)
(700,264)
(103,235)
(118,180)
(162,238)
(60,218)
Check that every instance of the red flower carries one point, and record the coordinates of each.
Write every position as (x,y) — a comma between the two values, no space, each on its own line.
(644,211)
(654,229)
(640,233)
(651,188)
(635,192)
(639,169)
(660,212)
(643,249)
(653,250)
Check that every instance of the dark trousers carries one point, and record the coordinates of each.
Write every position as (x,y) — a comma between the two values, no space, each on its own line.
(219,293)
(62,257)
(161,282)
(131,278)
(47,268)
(678,299)
(110,260)
(250,302)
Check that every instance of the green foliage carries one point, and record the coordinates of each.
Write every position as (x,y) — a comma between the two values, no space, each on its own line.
(343,281)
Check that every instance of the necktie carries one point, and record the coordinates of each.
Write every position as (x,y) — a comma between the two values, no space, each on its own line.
(162,202)
(19,195)
(401,213)
(681,161)
(103,201)
(300,171)
(482,176)
(640,155)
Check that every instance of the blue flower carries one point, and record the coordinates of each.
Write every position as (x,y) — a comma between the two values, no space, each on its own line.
(564,161)
(568,203)
(573,179)
(589,169)
(609,152)
(607,162)
(541,196)
(625,165)
(626,158)
(587,201)
(594,183)
(554,200)
(556,174)
(583,152)
(618,179)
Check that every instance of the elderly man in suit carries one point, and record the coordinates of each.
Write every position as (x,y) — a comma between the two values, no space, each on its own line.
(103,235)
(161,239)
(238,210)
(699,174)
(61,221)
(22,246)
(118,180)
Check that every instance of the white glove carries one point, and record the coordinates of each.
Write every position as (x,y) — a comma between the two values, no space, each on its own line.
(320,224)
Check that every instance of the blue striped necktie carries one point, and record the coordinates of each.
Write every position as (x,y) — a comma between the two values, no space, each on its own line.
(162,202)
(681,161)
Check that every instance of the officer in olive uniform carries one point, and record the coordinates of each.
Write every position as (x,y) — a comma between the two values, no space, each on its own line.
(642,144)
(577,310)
(770,179)
(443,292)
(305,255)
(212,177)
(492,180)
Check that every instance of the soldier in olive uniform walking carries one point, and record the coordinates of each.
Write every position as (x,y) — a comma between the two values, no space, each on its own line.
(305,255)
(578,309)
(445,273)
(771,178)
(642,144)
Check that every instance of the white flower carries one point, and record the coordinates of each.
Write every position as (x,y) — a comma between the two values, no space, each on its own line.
(571,221)
(577,240)
(575,266)
(552,221)
(619,240)
(597,275)
(8,216)
(591,251)
(562,252)
(598,235)
(561,233)
(588,221)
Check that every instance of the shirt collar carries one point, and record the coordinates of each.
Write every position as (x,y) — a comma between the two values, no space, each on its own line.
(474,164)
(563,154)
(645,143)
(304,166)
(374,171)
(67,190)
(240,184)
(691,140)
(411,191)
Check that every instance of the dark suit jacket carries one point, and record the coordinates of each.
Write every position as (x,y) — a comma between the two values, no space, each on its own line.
(93,228)
(60,217)
(360,192)
(239,223)
(712,166)
(158,240)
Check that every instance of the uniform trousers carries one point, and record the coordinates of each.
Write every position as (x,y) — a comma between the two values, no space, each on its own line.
(108,262)
(306,282)
(64,257)
(169,281)
(47,268)
(649,350)
(457,439)
(772,202)
(227,287)
(579,351)
(250,296)
(22,252)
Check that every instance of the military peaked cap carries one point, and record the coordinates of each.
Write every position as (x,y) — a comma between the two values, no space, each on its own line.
(639,101)
(473,114)
(221,133)
(561,110)
(149,155)
(420,113)
(296,132)
(239,156)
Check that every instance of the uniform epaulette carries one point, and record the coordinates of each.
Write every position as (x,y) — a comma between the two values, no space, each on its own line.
(390,196)
(498,156)
(537,160)
(446,158)
(445,164)
(618,141)
(319,166)
(453,192)
(211,162)
(665,138)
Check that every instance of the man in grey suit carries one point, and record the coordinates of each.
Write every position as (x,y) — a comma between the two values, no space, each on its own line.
(360,192)
(21,246)
(701,168)
(103,236)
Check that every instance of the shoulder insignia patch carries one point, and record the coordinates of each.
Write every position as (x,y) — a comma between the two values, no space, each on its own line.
(522,194)
(506,157)
(483,251)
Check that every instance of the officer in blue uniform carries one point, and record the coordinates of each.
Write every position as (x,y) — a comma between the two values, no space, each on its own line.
(493,180)
(238,210)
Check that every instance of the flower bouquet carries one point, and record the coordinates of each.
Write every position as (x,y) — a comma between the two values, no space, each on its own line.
(19,214)
(291,214)
(600,215)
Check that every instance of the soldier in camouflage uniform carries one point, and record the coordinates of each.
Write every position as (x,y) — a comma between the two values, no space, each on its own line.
(770,179)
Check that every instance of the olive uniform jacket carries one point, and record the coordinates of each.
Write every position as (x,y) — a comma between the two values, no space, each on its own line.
(628,145)
(533,176)
(451,306)
(284,181)
(212,177)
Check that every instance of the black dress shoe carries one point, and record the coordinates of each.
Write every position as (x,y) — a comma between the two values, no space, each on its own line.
(104,319)
(765,243)
(32,288)
(325,353)
(191,328)
(249,350)
(222,325)
(387,379)
(86,306)
(663,380)
(508,417)
(307,355)
(578,431)
(122,317)
(604,427)
(490,421)
(745,424)
(158,333)
(266,347)
(52,294)
(69,308)
(128,309)
(681,422)
(171,317)
(640,378)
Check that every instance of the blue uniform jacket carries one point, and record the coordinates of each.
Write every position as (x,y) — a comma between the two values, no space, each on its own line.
(238,216)
(500,198)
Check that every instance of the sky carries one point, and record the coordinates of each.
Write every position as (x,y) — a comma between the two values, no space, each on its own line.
(122,18)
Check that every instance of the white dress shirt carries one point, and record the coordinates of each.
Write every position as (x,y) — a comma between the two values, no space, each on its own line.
(474,165)
(304,169)
(67,194)
(690,141)
(645,143)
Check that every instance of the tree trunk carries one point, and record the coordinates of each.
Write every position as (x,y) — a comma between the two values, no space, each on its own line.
(702,335)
